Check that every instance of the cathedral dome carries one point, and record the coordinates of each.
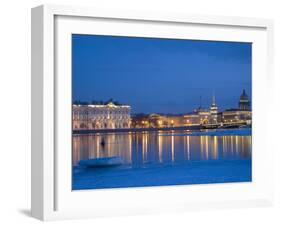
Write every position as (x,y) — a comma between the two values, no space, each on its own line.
(244,102)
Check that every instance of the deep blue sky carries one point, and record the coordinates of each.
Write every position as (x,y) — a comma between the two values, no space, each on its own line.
(160,75)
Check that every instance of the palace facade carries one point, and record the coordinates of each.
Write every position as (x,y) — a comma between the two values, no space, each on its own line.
(101,116)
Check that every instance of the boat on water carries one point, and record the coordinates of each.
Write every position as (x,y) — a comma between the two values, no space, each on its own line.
(102,162)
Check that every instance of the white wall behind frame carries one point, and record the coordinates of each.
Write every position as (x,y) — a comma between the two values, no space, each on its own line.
(15,93)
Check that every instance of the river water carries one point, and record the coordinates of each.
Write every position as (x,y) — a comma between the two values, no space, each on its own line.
(138,149)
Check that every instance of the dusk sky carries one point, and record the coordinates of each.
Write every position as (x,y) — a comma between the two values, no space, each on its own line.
(160,75)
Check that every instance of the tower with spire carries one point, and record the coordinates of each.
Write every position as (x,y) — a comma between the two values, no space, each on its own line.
(214,110)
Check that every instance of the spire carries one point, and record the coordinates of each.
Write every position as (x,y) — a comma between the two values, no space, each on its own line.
(214,107)
(214,98)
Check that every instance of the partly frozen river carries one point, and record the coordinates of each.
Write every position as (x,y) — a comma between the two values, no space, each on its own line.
(138,149)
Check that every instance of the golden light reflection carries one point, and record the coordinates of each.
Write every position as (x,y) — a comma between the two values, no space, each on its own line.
(76,154)
(215,148)
(207,146)
(201,147)
(144,146)
(223,146)
(97,144)
(109,147)
(188,147)
(236,143)
(160,147)
(231,143)
(130,148)
(173,147)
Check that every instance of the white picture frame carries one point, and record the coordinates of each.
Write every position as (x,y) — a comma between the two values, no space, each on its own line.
(52,197)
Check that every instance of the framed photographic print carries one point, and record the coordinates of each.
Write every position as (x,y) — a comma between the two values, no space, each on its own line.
(136,112)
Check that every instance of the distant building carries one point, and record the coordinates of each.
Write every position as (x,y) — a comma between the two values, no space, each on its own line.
(241,114)
(236,116)
(101,116)
(201,116)
(244,102)
(214,111)
(115,116)
(140,121)
(157,121)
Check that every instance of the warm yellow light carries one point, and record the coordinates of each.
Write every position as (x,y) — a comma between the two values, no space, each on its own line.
(160,122)
(172,121)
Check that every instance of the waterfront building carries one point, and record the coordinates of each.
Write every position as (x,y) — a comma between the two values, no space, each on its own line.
(214,111)
(244,102)
(140,121)
(101,116)
(114,116)
(236,116)
(241,114)
(160,121)
(157,121)
(176,120)
(199,116)
(148,121)
(80,117)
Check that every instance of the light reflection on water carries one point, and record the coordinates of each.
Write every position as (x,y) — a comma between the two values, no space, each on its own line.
(139,148)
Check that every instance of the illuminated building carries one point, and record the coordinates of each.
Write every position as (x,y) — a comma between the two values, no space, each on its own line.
(140,121)
(101,116)
(199,116)
(244,102)
(236,115)
(114,116)
(157,121)
(241,114)
(214,111)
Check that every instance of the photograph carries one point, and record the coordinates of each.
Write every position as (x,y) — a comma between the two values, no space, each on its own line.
(149,111)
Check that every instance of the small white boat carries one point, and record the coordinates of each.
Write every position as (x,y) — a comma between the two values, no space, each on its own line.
(102,162)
